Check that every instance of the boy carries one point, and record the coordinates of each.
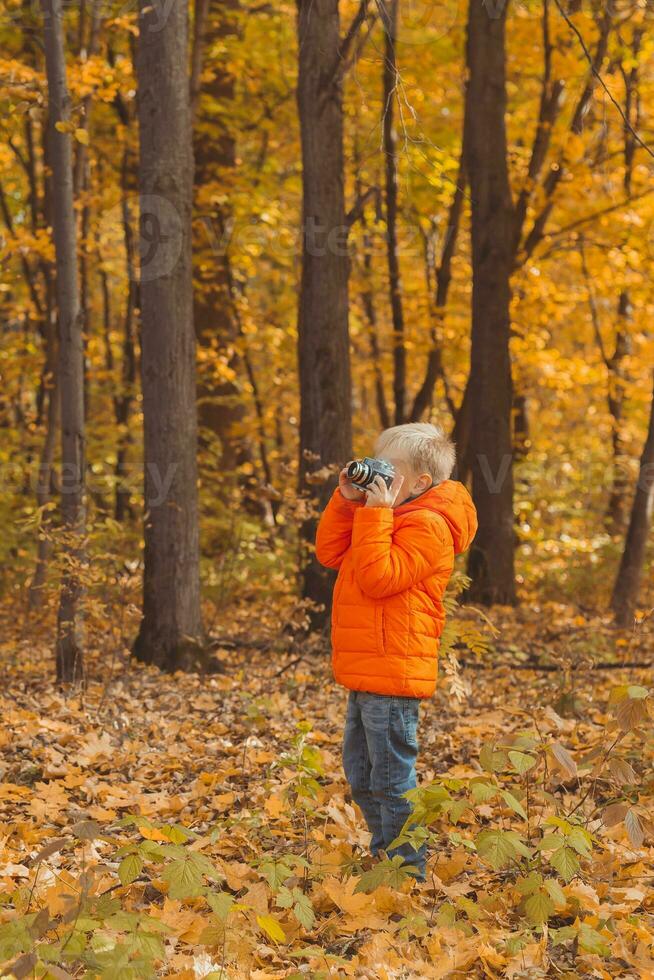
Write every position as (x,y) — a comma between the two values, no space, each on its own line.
(394,550)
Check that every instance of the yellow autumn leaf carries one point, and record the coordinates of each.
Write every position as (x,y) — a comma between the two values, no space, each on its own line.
(272,928)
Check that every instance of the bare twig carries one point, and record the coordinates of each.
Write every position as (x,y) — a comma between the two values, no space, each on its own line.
(599,78)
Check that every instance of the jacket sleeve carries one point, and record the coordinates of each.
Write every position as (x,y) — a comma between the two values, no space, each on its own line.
(334,534)
(387,561)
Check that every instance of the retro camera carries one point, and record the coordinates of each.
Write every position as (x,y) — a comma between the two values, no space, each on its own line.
(362,472)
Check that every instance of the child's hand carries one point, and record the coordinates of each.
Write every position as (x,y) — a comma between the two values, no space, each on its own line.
(379,495)
(348,490)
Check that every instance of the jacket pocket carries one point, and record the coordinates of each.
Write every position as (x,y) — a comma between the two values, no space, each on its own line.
(380,629)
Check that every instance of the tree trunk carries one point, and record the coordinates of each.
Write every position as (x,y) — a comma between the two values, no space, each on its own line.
(617,364)
(222,408)
(171,629)
(48,397)
(368,303)
(389,22)
(125,396)
(627,583)
(462,435)
(617,382)
(491,561)
(46,466)
(69,660)
(443,277)
(370,312)
(323,339)
(81,182)
(521,438)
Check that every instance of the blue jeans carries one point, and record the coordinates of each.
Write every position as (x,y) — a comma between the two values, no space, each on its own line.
(380,748)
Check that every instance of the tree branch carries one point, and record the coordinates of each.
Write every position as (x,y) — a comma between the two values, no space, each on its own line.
(350,37)
(356,211)
(558,170)
(599,78)
(550,105)
(594,315)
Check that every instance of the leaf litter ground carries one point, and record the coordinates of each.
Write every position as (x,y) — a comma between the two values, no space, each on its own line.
(199,825)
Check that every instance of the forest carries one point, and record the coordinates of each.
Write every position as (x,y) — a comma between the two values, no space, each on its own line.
(238,241)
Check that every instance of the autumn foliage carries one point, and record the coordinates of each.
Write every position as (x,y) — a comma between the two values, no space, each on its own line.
(487,170)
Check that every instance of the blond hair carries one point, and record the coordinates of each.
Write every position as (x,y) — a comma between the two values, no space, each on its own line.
(427,448)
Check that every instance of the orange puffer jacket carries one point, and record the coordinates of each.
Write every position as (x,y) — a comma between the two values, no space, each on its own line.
(393,567)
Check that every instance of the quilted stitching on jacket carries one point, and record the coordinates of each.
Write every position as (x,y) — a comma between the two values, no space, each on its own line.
(393,568)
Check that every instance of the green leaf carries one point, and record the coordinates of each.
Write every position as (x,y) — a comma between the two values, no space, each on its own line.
(580,840)
(272,928)
(524,743)
(566,862)
(482,791)
(515,805)
(551,842)
(276,873)
(636,691)
(76,943)
(221,904)
(123,921)
(204,865)
(184,879)
(130,868)
(284,898)
(521,761)
(519,844)
(303,910)
(563,935)
(515,943)
(51,953)
(14,938)
(556,893)
(106,905)
(491,759)
(391,872)
(148,944)
(538,907)
(528,885)
(592,941)
(153,851)
(457,810)
(460,841)
(176,834)
(446,915)
(496,847)
(470,907)
(560,822)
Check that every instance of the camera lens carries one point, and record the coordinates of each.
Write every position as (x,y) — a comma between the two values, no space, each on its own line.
(357,472)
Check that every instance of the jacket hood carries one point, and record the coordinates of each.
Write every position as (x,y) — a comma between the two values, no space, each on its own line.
(452,501)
